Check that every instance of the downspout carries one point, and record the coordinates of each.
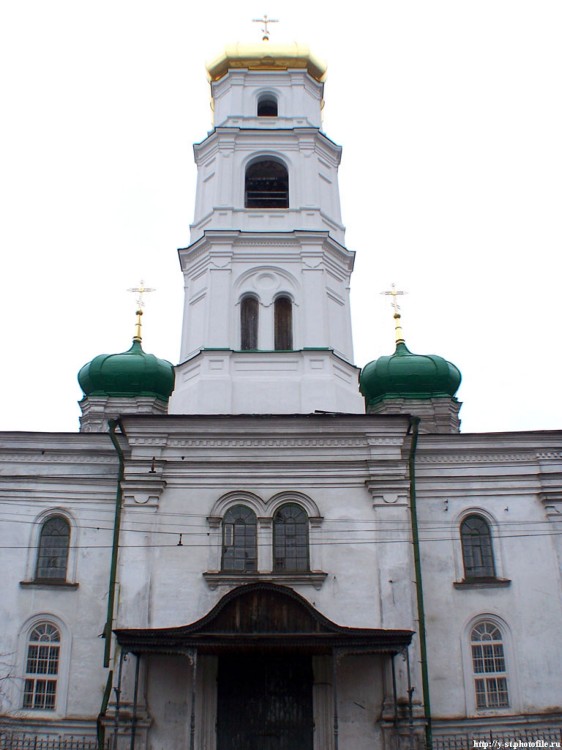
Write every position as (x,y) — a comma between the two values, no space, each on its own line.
(100,726)
(413,429)
(113,424)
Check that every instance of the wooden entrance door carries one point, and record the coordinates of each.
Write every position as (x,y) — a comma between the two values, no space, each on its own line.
(264,702)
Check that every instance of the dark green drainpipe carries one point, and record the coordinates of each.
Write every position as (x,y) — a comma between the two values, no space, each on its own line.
(113,424)
(100,727)
(414,430)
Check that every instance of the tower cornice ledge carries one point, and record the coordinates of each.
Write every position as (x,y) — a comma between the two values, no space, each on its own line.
(239,131)
(297,238)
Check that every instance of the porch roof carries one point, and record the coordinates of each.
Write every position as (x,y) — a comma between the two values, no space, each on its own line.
(263,617)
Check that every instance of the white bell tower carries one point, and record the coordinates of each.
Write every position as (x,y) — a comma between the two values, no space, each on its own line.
(267,325)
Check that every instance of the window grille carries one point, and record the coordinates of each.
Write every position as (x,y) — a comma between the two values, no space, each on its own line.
(488,664)
(42,667)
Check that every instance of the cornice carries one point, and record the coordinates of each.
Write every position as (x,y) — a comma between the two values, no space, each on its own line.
(480,458)
(288,138)
(46,456)
(551,455)
(251,442)
(302,240)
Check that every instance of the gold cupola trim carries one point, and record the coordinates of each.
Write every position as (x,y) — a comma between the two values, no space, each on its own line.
(266,56)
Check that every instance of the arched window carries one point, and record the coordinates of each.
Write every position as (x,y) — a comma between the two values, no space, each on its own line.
(267,185)
(267,106)
(239,540)
(283,323)
(52,553)
(477,552)
(249,315)
(42,667)
(290,539)
(488,666)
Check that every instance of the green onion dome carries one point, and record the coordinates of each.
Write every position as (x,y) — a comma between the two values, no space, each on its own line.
(406,375)
(129,374)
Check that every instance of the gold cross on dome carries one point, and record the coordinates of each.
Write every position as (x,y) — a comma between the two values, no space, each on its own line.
(140,290)
(265,20)
(394,293)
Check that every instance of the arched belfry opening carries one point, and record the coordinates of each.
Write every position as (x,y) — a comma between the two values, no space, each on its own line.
(266,185)
(249,318)
(267,106)
(283,323)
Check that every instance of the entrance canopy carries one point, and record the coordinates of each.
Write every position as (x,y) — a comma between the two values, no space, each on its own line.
(263,616)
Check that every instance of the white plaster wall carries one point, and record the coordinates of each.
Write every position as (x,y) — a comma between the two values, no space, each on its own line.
(312,163)
(308,267)
(360,687)
(169,698)
(224,382)
(235,98)
(497,478)
(260,457)
(72,475)
(354,469)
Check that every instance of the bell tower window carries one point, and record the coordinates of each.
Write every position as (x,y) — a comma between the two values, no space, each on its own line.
(249,316)
(267,106)
(267,185)
(283,323)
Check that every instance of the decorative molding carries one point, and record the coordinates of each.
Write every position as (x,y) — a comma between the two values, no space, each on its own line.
(143,491)
(49,585)
(375,440)
(82,455)
(314,578)
(490,583)
(480,458)
(248,442)
(552,502)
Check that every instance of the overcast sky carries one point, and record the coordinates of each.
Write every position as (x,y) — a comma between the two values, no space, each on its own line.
(450,118)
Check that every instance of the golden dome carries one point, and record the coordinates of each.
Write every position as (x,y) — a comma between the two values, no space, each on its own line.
(266,56)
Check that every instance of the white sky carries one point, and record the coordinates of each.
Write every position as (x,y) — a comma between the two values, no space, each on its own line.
(450,117)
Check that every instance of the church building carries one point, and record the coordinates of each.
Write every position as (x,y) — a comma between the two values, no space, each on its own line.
(267,547)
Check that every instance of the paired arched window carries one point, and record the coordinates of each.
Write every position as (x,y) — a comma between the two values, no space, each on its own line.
(283,323)
(42,667)
(52,551)
(249,318)
(267,106)
(477,550)
(239,540)
(489,666)
(266,185)
(290,538)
